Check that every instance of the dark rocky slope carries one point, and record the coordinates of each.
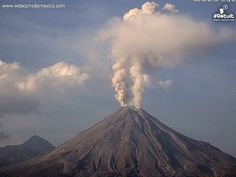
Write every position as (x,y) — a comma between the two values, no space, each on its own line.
(129,143)
(33,147)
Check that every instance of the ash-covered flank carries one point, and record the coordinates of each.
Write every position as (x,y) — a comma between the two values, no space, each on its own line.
(129,143)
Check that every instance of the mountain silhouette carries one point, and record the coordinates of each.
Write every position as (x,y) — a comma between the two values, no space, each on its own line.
(33,147)
(129,143)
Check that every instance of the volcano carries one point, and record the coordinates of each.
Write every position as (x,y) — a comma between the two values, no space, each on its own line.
(33,147)
(128,143)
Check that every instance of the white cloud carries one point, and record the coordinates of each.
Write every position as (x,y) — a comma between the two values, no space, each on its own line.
(19,89)
(165,83)
(57,77)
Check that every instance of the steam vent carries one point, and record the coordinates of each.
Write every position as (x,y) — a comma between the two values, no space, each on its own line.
(128,143)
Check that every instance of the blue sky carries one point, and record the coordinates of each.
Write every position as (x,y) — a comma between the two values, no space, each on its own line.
(201,102)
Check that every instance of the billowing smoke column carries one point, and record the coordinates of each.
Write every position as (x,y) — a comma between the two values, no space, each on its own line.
(149,38)
(129,82)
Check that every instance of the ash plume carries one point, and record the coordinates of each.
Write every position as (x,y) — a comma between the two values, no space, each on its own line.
(150,38)
(118,82)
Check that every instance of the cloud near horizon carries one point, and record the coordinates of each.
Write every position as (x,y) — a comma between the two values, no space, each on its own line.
(3,135)
(20,89)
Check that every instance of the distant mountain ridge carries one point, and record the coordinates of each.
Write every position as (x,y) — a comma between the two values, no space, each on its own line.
(128,143)
(33,147)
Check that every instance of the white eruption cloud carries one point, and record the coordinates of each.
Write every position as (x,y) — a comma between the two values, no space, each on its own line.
(149,38)
(170,8)
(147,9)
(139,81)
(118,82)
